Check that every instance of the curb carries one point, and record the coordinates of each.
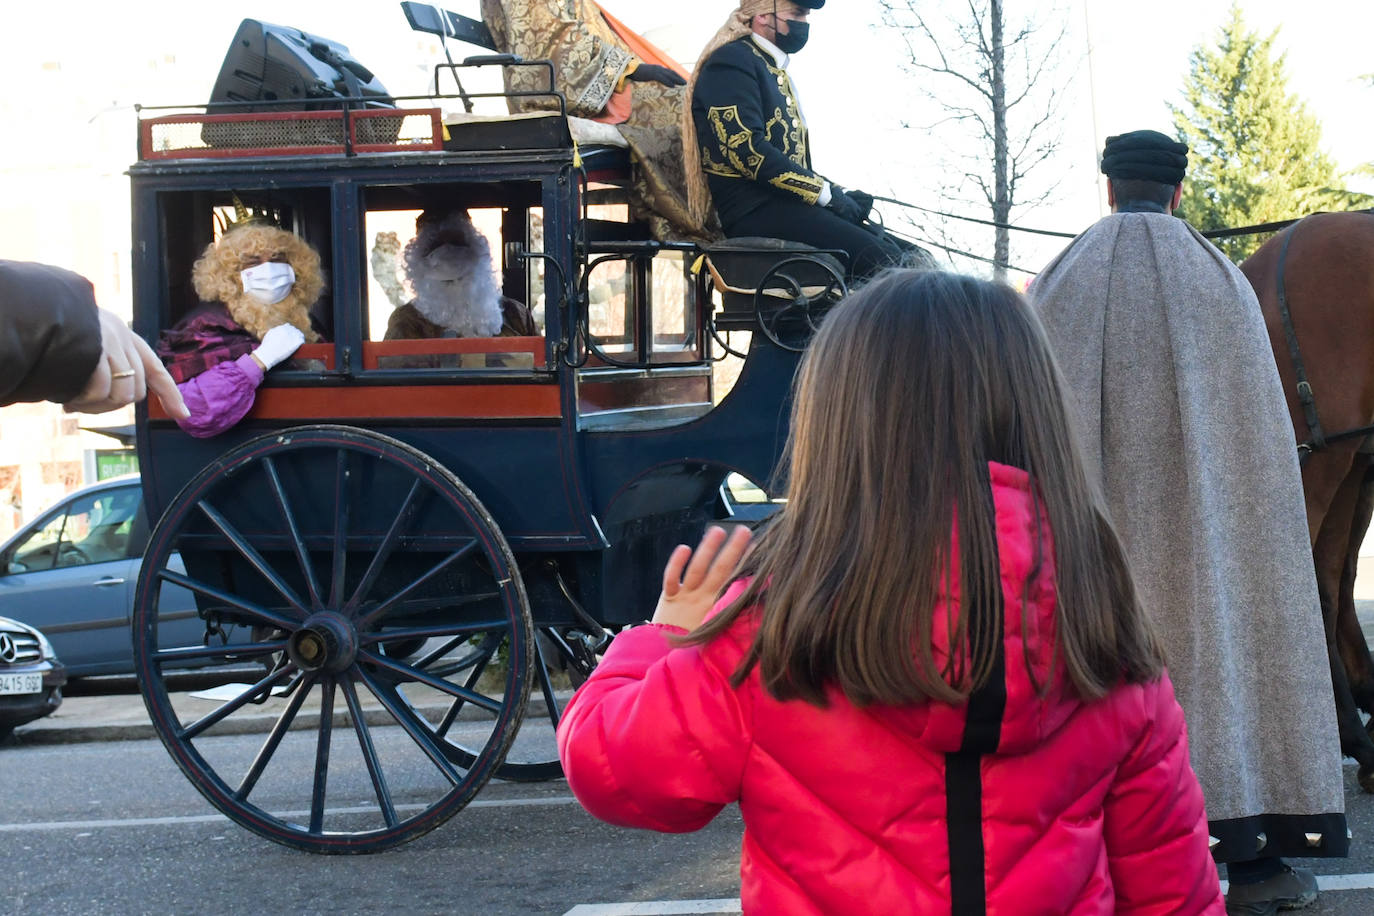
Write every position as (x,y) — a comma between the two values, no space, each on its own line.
(42,732)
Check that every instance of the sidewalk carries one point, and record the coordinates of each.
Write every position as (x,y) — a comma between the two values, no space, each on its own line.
(121,715)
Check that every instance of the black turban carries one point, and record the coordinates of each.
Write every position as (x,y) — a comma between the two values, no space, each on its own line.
(1145,155)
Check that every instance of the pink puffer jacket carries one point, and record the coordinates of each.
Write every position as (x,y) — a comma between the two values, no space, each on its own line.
(1011,804)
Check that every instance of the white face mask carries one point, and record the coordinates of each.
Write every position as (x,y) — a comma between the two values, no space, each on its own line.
(268,282)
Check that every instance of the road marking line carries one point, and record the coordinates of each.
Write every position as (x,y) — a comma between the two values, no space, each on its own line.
(48,826)
(682,907)
(657,908)
(1345,882)
(1335,883)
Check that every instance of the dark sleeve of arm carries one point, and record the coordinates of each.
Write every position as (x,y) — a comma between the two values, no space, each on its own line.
(733,139)
(49,333)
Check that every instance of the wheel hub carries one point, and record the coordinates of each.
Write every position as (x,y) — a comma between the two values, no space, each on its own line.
(327,642)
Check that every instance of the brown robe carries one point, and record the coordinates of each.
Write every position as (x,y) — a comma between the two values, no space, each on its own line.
(406,323)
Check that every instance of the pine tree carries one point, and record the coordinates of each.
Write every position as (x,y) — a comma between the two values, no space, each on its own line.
(1256,152)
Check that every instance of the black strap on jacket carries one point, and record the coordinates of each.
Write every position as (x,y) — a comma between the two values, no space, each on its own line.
(964,785)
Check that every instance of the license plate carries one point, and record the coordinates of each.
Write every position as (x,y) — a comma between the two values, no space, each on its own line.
(20,683)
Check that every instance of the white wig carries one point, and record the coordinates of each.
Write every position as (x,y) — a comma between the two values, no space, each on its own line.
(448,264)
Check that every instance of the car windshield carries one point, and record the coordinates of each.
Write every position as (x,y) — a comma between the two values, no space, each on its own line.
(90,529)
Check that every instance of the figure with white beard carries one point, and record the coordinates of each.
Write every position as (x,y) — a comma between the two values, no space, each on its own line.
(449,267)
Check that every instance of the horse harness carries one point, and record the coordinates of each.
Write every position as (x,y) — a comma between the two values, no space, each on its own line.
(1318,439)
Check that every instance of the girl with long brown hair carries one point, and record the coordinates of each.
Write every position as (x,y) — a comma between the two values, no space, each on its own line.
(930,685)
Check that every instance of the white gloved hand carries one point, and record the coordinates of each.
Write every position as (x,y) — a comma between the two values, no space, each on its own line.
(278,344)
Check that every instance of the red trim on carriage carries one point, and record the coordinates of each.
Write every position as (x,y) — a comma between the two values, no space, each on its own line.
(373,351)
(406,402)
(321,352)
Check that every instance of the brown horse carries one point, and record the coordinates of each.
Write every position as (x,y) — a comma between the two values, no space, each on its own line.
(1328,275)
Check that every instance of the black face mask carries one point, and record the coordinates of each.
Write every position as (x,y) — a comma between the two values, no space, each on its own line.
(795,39)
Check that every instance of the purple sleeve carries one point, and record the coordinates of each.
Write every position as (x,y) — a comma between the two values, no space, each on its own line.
(220,396)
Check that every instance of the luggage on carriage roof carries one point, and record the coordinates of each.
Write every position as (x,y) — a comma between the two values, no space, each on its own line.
(529,130)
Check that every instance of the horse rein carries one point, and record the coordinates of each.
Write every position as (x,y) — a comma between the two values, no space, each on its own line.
(1318,440)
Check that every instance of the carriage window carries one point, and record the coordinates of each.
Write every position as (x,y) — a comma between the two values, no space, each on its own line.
(197,220)
(440,295)
(610,320)
(674,313)
(624,291)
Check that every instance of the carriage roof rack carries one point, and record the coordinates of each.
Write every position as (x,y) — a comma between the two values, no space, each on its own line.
(347,126)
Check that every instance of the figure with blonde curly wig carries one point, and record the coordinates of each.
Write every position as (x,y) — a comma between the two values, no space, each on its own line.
(256,285)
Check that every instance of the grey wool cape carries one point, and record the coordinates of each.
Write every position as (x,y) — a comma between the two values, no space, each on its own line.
(1179,408)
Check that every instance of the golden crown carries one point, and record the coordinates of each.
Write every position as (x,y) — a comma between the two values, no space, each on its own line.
(245,216)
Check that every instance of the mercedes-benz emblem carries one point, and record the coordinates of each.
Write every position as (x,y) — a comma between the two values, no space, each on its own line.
(8,651)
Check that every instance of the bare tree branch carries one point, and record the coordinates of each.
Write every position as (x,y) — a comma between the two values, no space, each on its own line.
(995,82)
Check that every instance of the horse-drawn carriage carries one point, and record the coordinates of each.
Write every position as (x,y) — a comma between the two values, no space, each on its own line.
(435,545)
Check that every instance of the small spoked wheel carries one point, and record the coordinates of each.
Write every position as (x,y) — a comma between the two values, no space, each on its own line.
(563,659)
(793,297)
(370,626)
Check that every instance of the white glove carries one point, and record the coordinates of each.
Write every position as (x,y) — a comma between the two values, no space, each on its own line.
(278,344)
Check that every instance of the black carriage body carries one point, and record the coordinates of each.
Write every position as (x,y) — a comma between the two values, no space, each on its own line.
(592,473)
(428,530)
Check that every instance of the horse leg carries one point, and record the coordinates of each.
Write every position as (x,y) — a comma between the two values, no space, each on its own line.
(1330,554)
(1350,638)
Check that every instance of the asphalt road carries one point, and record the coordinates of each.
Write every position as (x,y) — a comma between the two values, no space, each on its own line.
(114,828)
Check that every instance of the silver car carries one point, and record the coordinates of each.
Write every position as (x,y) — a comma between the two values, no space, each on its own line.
(72,571)
(31,677)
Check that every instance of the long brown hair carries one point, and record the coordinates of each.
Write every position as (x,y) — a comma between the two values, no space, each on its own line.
(910,388)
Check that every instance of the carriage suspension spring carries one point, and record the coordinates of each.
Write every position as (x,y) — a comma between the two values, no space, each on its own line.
(214,629)
(596,638)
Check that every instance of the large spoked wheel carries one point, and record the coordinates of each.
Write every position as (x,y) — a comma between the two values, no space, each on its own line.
(792,299)
(371,622)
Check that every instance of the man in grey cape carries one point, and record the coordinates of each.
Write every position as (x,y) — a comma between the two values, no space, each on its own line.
(1180,411)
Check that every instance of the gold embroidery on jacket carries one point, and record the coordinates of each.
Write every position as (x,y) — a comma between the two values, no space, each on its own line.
(711,166)
(736,141)
(804,186)
(797,132)
(783,142)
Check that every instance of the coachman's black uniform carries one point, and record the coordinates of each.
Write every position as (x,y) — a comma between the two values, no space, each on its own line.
(756,153)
